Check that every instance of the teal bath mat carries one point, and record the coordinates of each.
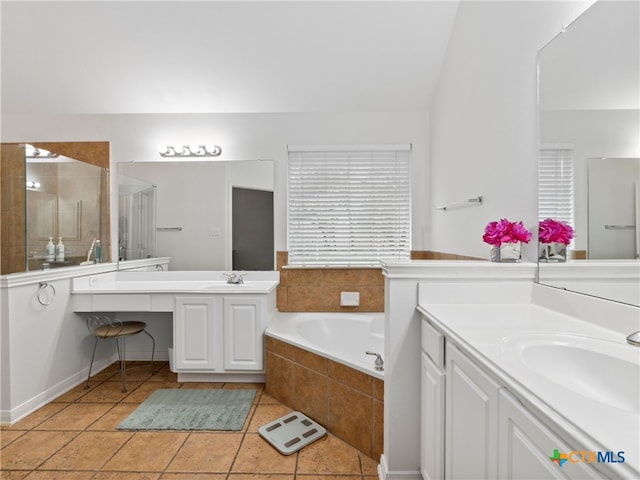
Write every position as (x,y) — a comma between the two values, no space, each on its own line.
(191,409)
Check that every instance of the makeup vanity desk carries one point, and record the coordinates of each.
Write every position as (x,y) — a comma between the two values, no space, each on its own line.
(218,328)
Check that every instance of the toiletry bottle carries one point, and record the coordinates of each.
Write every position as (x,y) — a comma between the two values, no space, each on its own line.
(98,250)
(51,250)
(60,250)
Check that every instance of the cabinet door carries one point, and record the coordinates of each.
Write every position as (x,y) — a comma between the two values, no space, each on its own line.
(243,333)
(194,334)
(471,420)
(432,420)
(526,446)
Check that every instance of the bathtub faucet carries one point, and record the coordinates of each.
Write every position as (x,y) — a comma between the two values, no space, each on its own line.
(379,365)
(634,339)
(235,278)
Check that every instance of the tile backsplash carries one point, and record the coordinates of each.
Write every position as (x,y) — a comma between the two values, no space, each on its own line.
(318,289)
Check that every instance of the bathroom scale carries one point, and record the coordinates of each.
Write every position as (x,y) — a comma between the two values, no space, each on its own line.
(290,433)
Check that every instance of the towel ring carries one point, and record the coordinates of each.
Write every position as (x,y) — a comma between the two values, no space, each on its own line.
(49,298)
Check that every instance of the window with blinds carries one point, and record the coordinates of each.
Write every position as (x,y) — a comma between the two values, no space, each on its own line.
(555,185)
(348,206)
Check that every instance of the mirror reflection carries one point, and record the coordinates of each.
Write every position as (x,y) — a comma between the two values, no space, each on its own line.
(57,207)
(136,219)
(210,215)
(589,131)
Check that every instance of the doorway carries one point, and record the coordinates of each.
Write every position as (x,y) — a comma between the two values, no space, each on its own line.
(252,229)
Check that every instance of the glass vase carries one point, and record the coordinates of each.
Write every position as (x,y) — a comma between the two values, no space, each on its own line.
(507,253)
(552,252)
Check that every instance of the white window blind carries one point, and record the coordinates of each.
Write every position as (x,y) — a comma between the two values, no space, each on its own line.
(555,185)
(348,206)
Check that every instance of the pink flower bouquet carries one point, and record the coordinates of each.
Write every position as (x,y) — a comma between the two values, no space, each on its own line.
(550,231)
(504,231)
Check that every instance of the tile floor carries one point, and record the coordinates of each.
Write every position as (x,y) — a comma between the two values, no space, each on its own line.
(75,438)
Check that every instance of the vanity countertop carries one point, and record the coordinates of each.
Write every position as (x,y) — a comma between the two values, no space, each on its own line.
(580,374)
(173,282)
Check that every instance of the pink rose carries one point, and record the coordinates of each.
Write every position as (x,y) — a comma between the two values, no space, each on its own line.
(504,231)
(550,230)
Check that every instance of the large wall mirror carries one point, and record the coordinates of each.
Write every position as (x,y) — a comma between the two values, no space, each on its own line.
(215,215)
(54,194)
(589,152)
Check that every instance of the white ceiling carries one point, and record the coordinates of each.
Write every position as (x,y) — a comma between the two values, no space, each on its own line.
(86,57)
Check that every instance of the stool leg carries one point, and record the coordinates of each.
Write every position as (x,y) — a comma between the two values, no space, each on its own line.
(153,348)
(121,356)
(93,355)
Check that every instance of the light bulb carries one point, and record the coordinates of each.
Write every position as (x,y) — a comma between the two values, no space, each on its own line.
(178,149)
(213,150)
(196,150)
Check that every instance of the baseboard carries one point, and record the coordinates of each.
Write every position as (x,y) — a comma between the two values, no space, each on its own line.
(385,474)
(8,417)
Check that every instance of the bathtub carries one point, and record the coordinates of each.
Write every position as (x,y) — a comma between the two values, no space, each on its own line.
(341,337)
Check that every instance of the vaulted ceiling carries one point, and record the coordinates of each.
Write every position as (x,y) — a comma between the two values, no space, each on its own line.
(87,57)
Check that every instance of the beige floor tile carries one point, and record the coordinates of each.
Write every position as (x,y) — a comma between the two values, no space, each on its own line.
(329,456)
(77,416)
(257,456)
(33,448)
(53,475)
(37,417)
(126,476)
(109,392)
(164,375)
(260,476)
(114,417)
(369,465)
(201,385)
(147,452)
(206,453)
(143,392)
(265,413)
(265,398)
(193,476)
(75,393)
(13,474)
(88,451)
(8,436)
(328,477)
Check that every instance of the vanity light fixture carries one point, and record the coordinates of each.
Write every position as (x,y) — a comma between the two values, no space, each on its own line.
(196,150)
(32,184)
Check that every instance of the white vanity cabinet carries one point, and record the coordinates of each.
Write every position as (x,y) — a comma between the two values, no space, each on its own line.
(243,332)
(196,330)
(473,427)
(432,407)
(526,446)
(471,432)
(219,334)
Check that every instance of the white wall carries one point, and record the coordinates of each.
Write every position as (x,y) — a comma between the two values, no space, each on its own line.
(134,138)
(483,121)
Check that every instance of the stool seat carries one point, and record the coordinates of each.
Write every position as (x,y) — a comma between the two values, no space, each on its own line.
(104,328)
(119,330)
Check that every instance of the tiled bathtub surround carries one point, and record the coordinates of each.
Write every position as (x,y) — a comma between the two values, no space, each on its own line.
(347,402)
(318,289)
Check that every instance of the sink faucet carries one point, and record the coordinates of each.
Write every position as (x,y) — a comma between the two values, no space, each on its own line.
(379,363)
(634,339)
(235,278)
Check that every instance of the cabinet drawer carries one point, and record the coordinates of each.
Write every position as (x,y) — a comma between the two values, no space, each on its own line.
(433,343)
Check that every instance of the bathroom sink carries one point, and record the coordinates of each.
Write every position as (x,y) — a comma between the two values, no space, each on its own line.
(605,371)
